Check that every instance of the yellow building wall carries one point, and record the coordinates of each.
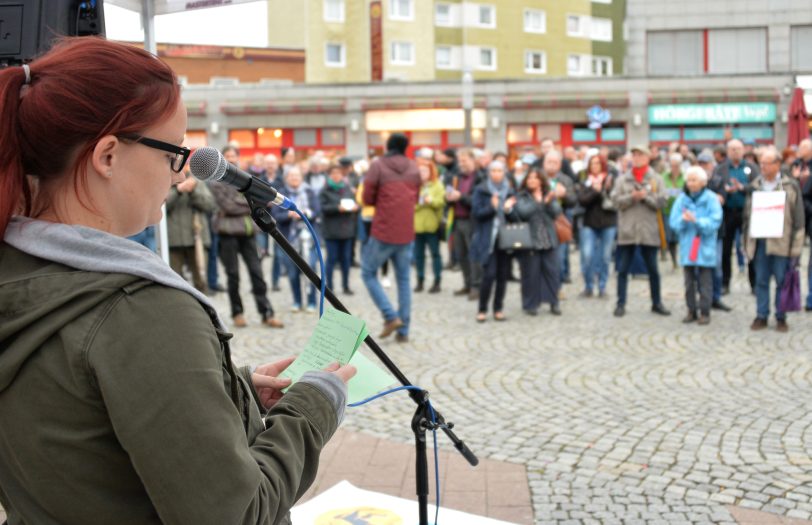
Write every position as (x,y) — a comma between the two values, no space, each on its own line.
(353,33)
(419,32)
(286,23)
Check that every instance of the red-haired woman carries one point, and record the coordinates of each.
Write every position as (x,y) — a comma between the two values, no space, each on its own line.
(428,215)
(118,397)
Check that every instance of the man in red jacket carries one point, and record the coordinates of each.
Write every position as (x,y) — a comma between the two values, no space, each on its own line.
(392,185)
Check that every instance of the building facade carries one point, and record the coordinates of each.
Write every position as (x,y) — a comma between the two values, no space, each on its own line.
(352,41)
(648,71)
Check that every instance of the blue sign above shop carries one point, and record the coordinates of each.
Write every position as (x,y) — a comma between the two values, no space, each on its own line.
(727,113)
(598,117)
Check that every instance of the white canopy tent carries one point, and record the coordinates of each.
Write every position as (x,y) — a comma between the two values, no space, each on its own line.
(148,10)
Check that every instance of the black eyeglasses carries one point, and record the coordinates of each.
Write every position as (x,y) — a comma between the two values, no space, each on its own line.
(181,154)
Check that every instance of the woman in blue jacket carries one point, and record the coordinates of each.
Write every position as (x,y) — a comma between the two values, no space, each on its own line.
(489,203)
(695,217)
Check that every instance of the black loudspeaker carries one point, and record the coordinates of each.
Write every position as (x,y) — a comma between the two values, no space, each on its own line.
(28,27)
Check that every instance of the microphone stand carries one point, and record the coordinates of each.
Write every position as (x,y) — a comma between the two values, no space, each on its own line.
(422,419)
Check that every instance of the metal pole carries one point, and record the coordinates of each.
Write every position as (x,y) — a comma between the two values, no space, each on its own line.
(468,105)
(148,22)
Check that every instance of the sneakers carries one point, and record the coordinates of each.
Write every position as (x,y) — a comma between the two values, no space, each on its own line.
(273,322)
(659,309)
(759,324)
(390,326)
(386,283)
(239,321)
(310,308)
(296,308)
(781,326)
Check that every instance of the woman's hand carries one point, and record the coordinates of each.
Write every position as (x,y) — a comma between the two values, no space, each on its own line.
(495,201)
(510,202)
(267,383)
(343,372)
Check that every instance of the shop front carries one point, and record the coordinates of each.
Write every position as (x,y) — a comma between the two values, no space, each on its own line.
(304,141)
(708,125)
(426,128)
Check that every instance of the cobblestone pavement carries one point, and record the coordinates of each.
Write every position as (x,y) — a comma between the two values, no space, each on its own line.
(633,420)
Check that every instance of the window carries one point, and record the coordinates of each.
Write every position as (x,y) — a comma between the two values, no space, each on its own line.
(535,62)
(305,137)
(600,29)
(442,57)
(737,50)
(519,133)
(574,65)
(402,53)
(601,66)
(800,44)
(334,55)
(442,15)
(401,9)
(602,1)
(574,25)
(332,137)
(333,10)
(487,58)
(535,21)
(487,16)
(675,53)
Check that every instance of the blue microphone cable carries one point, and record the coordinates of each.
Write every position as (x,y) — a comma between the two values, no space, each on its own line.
(288,204)
(433,433)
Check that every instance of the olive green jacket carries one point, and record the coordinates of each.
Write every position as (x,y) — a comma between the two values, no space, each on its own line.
(119,405)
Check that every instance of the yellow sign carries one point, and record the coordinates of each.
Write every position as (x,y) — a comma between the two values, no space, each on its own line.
(239,53)
(375,11)
(359,516)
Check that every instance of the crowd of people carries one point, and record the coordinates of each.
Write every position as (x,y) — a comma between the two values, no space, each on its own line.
(499,216)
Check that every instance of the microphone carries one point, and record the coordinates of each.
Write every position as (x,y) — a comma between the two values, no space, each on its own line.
(208,163)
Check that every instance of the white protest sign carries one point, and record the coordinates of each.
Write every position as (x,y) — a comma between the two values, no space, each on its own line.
(767,214)
(345,503)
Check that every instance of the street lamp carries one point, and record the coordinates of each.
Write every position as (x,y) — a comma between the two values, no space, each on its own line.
(468,105)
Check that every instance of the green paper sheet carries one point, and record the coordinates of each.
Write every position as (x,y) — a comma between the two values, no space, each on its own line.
(336,338)
(369,380)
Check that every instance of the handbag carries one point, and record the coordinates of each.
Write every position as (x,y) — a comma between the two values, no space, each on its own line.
(563,229)
(790,298)
(514,236)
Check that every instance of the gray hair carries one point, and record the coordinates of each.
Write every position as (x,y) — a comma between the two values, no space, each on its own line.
(675,158)
(699,172)
(772,150)
(496,164)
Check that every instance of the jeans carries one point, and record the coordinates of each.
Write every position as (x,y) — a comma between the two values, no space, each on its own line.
(717,273)
(375,253)
(276,265)
(733,221)
(339,251)
(767,267)
(146,238)
(698,277)
(295,280)
(625,254)
(432,240)
(230,247)
(596,252)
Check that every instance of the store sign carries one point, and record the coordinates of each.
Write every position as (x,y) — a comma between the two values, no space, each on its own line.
(598,117)
(423,119)
(686,114)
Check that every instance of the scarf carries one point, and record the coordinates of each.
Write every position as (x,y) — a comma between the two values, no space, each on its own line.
(335,185)
(501,190)
(639,173)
